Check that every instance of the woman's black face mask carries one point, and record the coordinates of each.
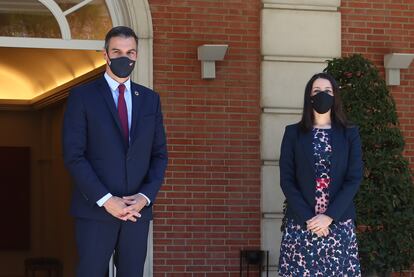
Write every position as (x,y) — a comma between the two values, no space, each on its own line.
(322,102)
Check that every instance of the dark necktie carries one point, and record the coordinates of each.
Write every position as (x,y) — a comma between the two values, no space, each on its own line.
(122,113)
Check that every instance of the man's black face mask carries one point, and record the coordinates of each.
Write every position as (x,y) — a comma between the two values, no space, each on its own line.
(122,66)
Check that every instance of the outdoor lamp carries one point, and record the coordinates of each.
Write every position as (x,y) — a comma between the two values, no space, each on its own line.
(393,63)
(208,54)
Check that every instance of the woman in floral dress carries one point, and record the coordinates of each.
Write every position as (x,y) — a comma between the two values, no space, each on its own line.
(320,172)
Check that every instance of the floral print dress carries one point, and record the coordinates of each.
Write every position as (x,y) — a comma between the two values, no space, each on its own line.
(303,253)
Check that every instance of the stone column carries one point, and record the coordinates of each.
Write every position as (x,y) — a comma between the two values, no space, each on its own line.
(298,36)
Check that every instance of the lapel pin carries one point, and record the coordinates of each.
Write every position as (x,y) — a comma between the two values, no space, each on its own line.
(136,93)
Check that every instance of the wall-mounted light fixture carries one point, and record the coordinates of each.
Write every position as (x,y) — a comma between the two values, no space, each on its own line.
(208,54)
(393,63)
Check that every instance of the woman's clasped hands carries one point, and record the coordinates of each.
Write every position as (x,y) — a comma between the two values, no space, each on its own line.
(319,225)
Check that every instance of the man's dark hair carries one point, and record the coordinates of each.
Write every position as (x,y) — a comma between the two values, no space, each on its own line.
(338,117)
(119,31)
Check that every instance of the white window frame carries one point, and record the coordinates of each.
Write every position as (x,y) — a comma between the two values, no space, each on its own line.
(66,42)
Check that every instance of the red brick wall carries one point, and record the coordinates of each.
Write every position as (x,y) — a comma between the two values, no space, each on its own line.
(209,207)
(378,27)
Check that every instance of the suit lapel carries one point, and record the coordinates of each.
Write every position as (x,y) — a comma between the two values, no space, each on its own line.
(137,99)
(337,142)
(307,146)
(106,93)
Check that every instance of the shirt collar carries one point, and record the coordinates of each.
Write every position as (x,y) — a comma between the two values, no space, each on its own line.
(114,84)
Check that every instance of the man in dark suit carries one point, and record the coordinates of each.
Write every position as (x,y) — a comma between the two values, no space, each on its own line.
(114,147)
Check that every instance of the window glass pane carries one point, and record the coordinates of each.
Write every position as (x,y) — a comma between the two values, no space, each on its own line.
(91,21)
(27,18)
(66,4)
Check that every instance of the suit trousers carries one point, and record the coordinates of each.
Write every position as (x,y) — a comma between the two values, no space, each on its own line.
(97,240)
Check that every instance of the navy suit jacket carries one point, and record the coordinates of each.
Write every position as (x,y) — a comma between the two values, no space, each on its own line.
(297,173)
(97,156)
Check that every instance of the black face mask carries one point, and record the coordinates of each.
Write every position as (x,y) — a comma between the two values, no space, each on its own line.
(322,102)
(122,66)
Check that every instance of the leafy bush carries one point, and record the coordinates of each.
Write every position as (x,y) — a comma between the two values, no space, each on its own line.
(385,201)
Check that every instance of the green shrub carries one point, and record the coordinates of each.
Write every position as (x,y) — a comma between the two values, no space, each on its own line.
(385,201)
